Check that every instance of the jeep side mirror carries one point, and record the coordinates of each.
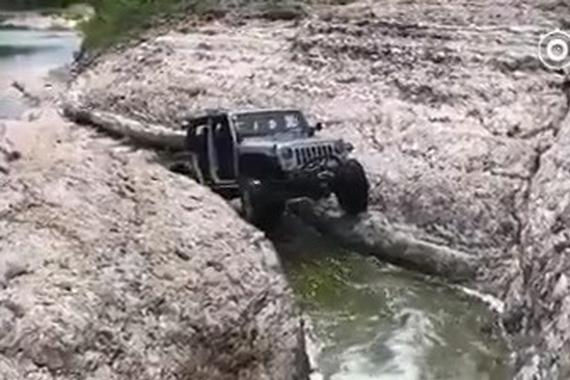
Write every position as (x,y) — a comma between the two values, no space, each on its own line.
(319,126)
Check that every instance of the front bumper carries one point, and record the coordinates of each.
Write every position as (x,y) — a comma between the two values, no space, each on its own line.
(313,184)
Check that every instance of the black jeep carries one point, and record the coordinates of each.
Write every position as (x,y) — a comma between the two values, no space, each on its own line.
(269,157)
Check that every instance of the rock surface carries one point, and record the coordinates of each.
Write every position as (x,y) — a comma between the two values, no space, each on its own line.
(111,267)
(462,130)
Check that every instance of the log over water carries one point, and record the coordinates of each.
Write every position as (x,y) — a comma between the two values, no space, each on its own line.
(372,234)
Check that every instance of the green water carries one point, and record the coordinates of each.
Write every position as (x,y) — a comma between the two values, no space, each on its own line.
(36,47)
(378,322)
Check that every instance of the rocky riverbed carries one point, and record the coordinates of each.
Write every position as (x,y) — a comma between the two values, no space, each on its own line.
(460,127)
(378,324)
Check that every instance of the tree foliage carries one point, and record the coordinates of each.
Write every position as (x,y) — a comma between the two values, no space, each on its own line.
(118,19)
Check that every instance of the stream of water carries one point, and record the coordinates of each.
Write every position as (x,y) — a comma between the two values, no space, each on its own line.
(29,53)
(378,322)
(374,321)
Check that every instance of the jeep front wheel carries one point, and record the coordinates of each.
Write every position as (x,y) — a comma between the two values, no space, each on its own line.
(351,187)
(257,208)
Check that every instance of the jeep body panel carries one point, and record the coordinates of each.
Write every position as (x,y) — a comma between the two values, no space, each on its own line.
(275,148)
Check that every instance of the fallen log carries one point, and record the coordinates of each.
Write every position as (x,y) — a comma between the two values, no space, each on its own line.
(147,134)
(371,233)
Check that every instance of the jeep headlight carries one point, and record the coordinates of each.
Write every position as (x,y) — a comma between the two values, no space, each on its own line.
(287,158)
(286,153)
(339,147)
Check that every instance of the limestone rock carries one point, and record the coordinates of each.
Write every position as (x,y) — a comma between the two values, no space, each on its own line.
(91,236)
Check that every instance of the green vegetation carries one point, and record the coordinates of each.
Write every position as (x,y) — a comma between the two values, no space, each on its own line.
(117,19)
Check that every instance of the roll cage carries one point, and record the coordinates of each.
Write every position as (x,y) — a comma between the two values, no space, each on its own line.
(213,140)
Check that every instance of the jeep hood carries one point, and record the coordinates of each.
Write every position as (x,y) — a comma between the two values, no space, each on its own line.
(266,143)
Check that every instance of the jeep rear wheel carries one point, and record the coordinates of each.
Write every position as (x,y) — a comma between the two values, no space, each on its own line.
(351,187)
(257,208)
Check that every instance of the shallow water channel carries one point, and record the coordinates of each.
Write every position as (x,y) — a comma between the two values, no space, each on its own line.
(373,321)
(29,53)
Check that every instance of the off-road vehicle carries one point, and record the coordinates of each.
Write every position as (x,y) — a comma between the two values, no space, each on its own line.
(270,156)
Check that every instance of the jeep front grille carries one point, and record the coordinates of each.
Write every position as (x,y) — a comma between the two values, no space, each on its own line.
(309,153)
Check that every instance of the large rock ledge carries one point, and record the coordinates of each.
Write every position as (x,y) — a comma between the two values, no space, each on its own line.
(111,268)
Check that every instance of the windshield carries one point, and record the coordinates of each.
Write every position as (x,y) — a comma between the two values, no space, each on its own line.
(269,122)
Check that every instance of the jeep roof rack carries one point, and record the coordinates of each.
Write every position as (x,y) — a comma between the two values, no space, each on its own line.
(193,120)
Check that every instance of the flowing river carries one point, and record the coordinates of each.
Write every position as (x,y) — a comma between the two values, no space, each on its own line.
(373,321)
(26,54)
(378,322)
